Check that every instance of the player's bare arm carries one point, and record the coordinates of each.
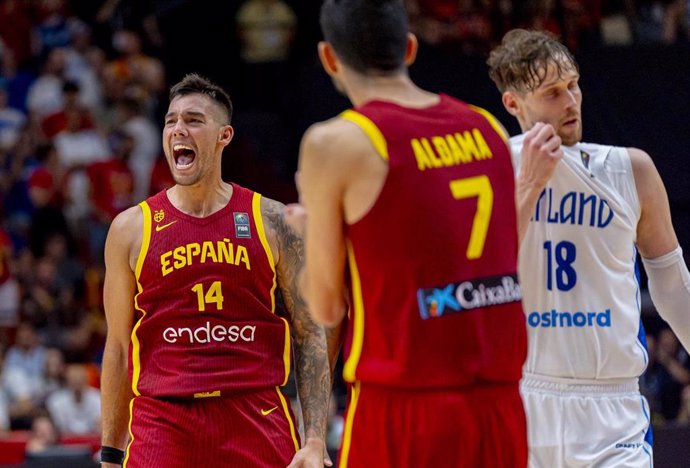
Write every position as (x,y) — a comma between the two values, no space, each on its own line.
(340,178)
(655,233)
(312,369)
(541,152)
(669,278)
(121,250)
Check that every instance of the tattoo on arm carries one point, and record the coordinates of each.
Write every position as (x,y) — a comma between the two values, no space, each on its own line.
(312,370)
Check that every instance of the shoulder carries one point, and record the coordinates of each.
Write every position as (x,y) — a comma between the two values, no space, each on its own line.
(126,230)
(271,209)
(334,141)
(641,162)
(272,216)
(650,188)
(496,125)
(129,219)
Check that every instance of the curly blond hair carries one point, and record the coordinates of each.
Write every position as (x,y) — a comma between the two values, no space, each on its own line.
(520,63)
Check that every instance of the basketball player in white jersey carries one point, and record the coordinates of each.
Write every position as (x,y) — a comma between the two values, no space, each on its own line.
(584,212)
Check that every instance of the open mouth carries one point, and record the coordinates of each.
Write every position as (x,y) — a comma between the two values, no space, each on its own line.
(184,156)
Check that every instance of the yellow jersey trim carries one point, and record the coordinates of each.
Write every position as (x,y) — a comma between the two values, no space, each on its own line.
(349,422)
(259,222)
(370,129)
(284,404)
(350,366)
(261,231)
(493,121)
(131,435)
(145,242)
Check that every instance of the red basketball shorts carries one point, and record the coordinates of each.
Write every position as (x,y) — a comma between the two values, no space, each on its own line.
(251,430)
(480,427)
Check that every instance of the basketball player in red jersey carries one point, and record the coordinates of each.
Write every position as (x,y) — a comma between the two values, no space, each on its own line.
(414,193)
(196,351)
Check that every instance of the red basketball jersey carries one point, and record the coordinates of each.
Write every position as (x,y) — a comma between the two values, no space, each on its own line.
(436,300)
(206,307)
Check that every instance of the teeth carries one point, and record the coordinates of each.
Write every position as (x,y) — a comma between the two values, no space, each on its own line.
(182,147)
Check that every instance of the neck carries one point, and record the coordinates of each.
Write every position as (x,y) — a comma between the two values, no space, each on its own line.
(202,199)
(396,88)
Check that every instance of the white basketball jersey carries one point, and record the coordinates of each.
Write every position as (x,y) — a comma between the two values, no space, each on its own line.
(577,268)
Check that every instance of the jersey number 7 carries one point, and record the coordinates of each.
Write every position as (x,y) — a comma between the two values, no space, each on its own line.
(480,187)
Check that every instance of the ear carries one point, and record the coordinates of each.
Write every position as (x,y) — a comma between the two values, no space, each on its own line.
(411,49)
(329,61)
(511,103)
(225,135)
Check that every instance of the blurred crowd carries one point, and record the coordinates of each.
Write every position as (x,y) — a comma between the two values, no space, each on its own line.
(473,26)
(83,85)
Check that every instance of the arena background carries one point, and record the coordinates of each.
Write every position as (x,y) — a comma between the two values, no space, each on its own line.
(636,93)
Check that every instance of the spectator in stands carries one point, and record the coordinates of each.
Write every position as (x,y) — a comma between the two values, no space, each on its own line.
(54,375)
(112,190)
(68,268)
(51,26)
(45,93)
(11,120)
(27,354)
(57,122)
(4,404)
(77,147)
(649,24)
(132,119)
(22,376)
(463,25)
(676,26)
(45,183)
(133,68)
(15,30)
(44,434)
(543,15)
(9,289)
(81,67)
(17,206)
(4,414)
(76,408)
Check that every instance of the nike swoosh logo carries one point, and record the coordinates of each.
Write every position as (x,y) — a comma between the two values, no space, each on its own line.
(267,412)
(160,228)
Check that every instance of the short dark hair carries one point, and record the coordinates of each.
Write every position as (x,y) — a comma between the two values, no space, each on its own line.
(368,35)
(193,83)
(522,60)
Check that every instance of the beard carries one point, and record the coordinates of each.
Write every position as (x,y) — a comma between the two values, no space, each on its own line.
(571,137)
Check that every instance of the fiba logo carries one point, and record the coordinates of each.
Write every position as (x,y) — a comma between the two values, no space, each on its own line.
(242,225)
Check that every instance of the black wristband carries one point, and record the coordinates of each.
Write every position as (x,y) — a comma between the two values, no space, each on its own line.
(112,455)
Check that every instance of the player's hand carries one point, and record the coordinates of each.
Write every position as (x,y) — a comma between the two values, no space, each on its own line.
(295,216)
(312,455)
(541,153)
